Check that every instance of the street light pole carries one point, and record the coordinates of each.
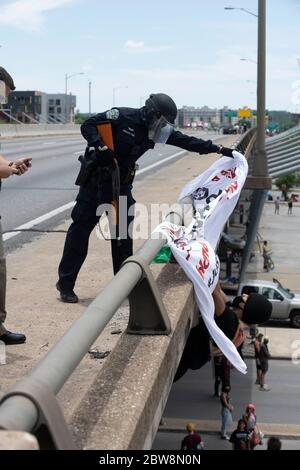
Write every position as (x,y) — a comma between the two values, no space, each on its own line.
(248,60)
(260,163)
(260,167)
(261,182)
(66,95)
(66,91)
(243,9)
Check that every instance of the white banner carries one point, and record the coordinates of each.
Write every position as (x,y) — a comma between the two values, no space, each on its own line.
(214,195)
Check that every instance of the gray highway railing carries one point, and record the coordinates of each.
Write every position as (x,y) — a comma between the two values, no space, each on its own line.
(32,403)
(284,153)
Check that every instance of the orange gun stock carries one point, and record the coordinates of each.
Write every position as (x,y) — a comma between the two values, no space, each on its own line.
(105,131)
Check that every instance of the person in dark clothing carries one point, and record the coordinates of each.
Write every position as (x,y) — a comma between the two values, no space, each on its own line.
(134,131)
(290,206)
(218,374)
(193,440)
(248,310)
(240,437)
(257,345)
(264,356)
(274,443)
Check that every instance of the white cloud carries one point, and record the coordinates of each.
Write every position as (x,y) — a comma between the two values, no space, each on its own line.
(221,82)
(139,46)
(28,15)
(130,44)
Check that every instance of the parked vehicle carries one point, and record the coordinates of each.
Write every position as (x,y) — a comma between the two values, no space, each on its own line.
(286,304)
(229,130)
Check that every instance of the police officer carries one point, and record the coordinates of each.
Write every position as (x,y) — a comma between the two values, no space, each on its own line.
(134,132)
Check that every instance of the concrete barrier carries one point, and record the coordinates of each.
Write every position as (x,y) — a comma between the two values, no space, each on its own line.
(34,130)
(124,404)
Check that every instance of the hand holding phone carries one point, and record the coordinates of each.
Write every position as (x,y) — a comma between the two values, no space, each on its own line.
(22,164)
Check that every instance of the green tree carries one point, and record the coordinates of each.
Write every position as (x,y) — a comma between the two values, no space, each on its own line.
(291,180)
(80,118)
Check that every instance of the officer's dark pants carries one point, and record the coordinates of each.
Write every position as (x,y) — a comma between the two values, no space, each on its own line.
(84,220)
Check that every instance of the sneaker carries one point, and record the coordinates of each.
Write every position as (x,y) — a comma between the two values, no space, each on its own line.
(67,295)
(264,388)
(257,382)
(225,437)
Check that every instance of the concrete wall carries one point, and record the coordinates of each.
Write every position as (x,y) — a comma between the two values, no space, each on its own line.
(123,405)
(27,130)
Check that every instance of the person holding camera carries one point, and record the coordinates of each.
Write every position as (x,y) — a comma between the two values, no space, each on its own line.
(7,169)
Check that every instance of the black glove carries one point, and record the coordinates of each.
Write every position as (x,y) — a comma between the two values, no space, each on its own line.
(227,152)
(104,157)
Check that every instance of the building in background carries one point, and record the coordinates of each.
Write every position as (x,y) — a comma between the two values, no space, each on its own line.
(25,106)
(61,107)
(204,117)
(36,106)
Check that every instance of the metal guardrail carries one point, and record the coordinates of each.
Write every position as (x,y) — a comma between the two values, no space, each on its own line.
(282,135)
(246,141)
(31,404)
(284,153)
(246,145)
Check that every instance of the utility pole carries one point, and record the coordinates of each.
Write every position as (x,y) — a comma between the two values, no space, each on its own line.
(260,162)
(66,98)
(260,180)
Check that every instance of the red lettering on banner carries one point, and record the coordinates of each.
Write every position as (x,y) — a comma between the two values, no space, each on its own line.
(181,244)
(233,187)
(184,246)
(229,174)
(203,263)
(216,178)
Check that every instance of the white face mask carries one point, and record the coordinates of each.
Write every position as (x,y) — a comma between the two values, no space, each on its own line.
(160,130)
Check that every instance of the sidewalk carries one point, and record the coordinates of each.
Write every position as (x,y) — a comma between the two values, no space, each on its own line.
(282,431)
(283,234)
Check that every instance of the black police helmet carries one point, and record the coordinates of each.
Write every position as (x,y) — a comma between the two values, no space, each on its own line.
(257,309)
(163,104)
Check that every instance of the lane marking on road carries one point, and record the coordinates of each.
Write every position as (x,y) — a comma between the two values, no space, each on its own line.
(160,162)
(69,205)
(39,220)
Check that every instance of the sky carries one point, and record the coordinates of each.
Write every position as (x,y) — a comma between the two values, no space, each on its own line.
(129,49)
